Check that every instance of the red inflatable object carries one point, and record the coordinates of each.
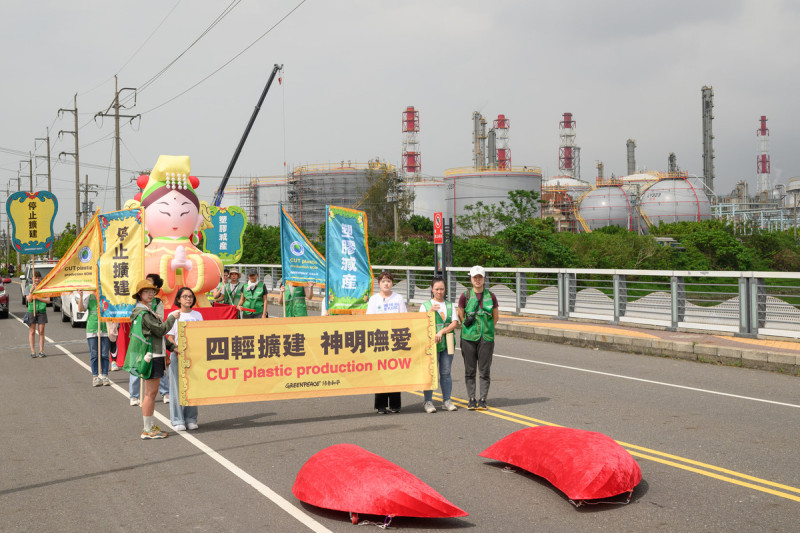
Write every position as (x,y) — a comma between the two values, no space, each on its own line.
(346,477)
(584,465)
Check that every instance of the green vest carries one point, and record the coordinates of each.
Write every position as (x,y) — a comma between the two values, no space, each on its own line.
(483,327)
(41,307)
(295,300)
(231,296)
(91,320)
(254,299)
(441,324)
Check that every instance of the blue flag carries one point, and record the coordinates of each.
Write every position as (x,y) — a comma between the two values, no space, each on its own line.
(300,261)
(348,274)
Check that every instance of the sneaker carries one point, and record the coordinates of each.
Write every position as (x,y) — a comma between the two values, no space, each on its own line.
(395,410)
(166,398)
(178,427)
(33,356)
(383,411)
(472,405)
(429,408)
(41,354)
(105,380)
(482,404)
(134,402)
(114,366)
(192,425)
(448,406)
(154,433)
(96,381)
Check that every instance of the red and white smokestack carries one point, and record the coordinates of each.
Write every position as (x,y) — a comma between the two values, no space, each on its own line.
(501,126)
(412,160)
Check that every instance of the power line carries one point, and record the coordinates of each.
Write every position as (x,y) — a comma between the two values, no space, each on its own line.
(231,60)
(148,38)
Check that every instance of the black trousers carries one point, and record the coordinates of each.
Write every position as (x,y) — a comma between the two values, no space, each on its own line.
(387,399)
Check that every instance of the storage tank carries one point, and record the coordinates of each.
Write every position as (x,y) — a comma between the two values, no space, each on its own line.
(467,186)
(674,200)
(429,196)
(607,205)
(559,197)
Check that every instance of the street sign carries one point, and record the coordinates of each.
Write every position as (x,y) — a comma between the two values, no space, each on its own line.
(438,229)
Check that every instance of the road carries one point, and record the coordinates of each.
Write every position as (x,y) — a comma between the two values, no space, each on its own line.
(717,446)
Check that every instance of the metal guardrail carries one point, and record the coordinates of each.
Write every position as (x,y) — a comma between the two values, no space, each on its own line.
(740,303)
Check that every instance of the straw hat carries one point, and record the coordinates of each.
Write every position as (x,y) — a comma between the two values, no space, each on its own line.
(142,285)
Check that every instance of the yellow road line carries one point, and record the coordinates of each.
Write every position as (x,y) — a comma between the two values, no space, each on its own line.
(586,327)
(663,457)
(787,345)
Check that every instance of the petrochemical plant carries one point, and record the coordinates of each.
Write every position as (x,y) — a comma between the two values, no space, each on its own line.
(634,202)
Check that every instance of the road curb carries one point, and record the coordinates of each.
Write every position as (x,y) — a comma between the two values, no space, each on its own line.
(691,351)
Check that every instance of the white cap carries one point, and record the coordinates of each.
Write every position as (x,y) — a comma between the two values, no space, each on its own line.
(477,270)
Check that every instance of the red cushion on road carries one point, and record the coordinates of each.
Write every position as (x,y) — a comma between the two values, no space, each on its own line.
(346,477)
(584,465)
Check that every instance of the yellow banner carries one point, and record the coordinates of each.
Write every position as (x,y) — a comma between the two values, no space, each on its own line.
(121,263)
(77,270)
(308,357)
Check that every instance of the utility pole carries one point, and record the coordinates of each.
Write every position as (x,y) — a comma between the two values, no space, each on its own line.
(30,173)
(49,179)
(77,164)
(115,105)
(88,208)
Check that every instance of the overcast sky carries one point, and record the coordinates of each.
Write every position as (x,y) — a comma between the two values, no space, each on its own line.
(624,69)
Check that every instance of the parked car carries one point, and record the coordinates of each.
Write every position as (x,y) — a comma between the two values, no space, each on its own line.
(68,305)
(4,297)
(26,277)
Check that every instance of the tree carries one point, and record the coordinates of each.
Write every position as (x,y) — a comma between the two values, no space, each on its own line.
(421,225)
(534,243)
(378,202)
(262,244)
(522,206)
(64,241)
(479,221)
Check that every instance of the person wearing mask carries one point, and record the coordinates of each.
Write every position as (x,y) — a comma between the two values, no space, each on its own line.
(293,298)
(37,316)
(253,301)
(446,322)
(386,301)
(478,312)
(153,332)
(181,417)
(97,339)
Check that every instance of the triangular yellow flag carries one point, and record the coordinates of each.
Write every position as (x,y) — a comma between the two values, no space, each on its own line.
(77,270)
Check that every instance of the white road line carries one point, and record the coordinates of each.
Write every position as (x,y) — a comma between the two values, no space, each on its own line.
(270,494)
(649,381)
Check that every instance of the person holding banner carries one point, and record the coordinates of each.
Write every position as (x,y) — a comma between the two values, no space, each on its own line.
(386,301)
(97,340)
(181,417)
(153,332)
(446,322)
(253,301)
(37,317)
(295,300)
(478,315)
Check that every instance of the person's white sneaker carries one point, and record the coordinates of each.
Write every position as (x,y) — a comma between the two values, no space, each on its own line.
(448,405)
(179,427)
(192,425)
(134,402)
(429,408)
(114,366)
(105,380)
(166,398)
(96,381)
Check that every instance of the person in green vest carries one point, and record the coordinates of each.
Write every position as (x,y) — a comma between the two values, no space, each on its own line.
(219,293)
(89,301)
(232,291)
(37,316)
(446,322)
(295,298)
(253,301)
(478,315)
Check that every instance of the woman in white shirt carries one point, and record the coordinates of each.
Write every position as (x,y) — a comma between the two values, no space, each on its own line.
(386,301)
(181,416)
(446,322)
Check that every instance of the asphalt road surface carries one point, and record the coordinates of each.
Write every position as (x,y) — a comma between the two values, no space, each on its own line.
(718,446)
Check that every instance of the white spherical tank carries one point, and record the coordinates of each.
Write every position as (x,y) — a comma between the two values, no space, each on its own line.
(674,200)
(607,205)
(574,187)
